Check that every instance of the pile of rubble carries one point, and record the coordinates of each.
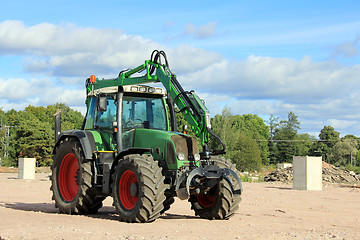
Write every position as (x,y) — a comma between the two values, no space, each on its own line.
(280,174)
(336,175)
(330,174)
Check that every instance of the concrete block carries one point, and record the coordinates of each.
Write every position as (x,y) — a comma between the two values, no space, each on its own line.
(27,168)
(307,173)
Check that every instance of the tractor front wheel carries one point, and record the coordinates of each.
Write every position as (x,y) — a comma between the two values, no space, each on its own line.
(220,202)
(215,204)
(138,189)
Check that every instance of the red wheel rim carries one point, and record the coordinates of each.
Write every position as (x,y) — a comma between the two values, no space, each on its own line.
(68,174)
(128,189)
(205,200)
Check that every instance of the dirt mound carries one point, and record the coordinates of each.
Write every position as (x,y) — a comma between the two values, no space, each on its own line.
(327,165)
(330,174)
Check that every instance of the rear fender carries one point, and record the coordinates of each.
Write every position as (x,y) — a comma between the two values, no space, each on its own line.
(85,138)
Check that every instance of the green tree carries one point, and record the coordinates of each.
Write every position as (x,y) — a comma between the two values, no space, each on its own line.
(330,137)
(354,147)
(254,127)
(292,124)
(341,152)
(273,124)
(245,154)
(285,148)
(33,138)
(350,136)
(230,127)
(3,130)
(317,149)
(222,125)
(32,131)
(70,118)
(285,134)
(305,144)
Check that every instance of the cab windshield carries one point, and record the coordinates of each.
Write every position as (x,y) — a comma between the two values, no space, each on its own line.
(143,112)
(138,112)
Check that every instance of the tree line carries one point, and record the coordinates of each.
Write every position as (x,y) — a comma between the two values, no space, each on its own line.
(31,132)
(250,141)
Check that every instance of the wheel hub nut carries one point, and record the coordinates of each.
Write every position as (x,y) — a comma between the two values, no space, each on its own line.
(133,189)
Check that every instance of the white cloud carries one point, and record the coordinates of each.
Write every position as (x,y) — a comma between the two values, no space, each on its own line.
(277,78)
(8,105)
(347,49)
(49,39)
(315,91)
(65,55)
(204,31)
(19,92)
(186,58)
(15,89)
(69,50)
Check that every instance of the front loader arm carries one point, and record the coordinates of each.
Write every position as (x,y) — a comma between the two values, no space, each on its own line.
(188,102)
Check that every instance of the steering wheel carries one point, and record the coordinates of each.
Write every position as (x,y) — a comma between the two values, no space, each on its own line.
(133,123)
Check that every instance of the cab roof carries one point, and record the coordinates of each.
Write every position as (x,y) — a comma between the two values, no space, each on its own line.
(140,89)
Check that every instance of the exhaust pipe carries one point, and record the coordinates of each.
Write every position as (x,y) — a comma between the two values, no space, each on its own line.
(57,118)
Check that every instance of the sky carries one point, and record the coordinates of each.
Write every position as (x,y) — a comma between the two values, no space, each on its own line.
(259,57)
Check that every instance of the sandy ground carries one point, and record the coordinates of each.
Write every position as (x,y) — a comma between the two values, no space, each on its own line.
(268,211)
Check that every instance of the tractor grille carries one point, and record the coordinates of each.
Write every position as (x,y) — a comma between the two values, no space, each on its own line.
(170,153)
(185,145)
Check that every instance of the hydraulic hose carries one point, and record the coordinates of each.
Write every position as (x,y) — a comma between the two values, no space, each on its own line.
(217,152)
(156,58)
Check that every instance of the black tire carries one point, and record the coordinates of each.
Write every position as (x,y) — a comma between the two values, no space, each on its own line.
(71,181)
(138,189)
(169,200)
(220,202)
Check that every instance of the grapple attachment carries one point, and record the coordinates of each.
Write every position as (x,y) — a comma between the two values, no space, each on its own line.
(200,180)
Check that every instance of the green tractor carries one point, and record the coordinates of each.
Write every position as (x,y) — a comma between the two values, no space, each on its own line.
(129,148)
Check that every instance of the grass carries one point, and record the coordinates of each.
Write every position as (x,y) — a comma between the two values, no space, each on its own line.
(355,169)
(257,176)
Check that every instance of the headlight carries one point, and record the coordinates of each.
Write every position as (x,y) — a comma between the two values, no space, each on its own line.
(158,90)
(134,89)
(197,157)
(181,156)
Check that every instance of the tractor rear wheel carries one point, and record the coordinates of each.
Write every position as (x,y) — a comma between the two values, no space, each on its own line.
(220,202)
(71,180)
(138,189)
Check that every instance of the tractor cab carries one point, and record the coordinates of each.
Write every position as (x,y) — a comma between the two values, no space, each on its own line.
(142,107)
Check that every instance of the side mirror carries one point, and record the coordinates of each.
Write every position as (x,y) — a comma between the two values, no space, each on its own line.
(101,104)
